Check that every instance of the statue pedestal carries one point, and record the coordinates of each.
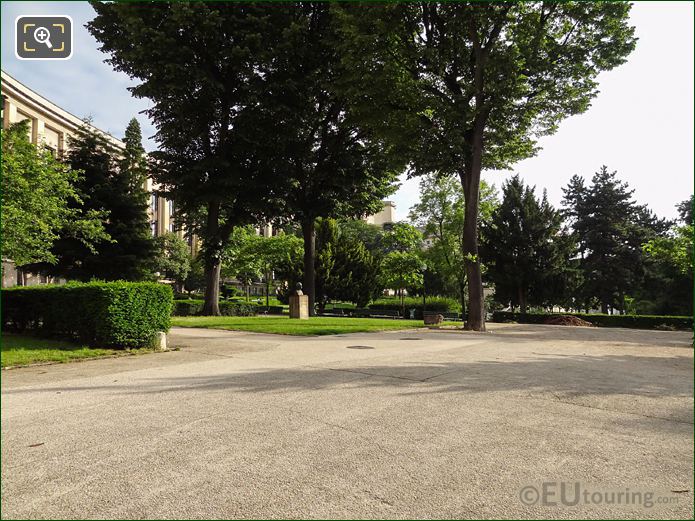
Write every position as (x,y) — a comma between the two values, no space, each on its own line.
(299,306)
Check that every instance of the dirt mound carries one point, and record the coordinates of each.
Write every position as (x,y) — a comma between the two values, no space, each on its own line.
(567,320)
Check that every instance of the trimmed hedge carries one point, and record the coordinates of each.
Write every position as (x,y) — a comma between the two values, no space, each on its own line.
(187,308)
(601,320)
(438,304)
(102,314)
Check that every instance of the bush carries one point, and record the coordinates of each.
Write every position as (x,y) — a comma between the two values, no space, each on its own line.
(438,304)
(102,314)
(187,308)
(601,320)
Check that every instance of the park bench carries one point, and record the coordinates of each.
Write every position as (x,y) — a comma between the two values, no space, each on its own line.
(377,313)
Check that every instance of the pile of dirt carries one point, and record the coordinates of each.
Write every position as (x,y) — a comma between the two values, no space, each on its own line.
(567,320)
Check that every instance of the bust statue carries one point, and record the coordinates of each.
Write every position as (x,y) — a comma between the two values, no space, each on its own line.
(298,289)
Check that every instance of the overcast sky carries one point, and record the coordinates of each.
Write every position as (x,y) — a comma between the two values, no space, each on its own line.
(641,123)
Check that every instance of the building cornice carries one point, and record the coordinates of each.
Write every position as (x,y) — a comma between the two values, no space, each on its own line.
(14,89)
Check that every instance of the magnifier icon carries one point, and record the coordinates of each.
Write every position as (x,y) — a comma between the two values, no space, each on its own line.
(42,35)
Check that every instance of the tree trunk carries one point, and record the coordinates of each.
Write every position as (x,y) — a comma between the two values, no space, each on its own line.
(522,300)
(211,307)
(604,308)
(212,253)
(309,234)
(470,180)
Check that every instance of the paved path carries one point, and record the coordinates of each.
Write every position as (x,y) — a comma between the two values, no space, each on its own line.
(419,424)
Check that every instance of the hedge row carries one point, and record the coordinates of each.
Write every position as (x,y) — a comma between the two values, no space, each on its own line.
(628,321)
(102,314)
(438,304)
(187,308)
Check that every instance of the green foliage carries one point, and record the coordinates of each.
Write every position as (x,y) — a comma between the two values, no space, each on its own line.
(526,250)
(685,210)
(458,87)
(345,269)
(185,308)
(109,191)
(440,213)
(40,202)
(251,257)
(402,237)
(676,250)
(133,164)
(438,304)
(103,314)
(610,229)
(172,257)
(401,270)
(195,280)
(215,148)
(628,321)
(667,286)
(357,230)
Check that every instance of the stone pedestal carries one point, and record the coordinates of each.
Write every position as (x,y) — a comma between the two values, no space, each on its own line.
(299,306)
(160,341)
(432,318)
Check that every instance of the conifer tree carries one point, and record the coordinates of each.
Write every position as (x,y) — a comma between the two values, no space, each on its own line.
(525,250)
(107,185)
(610,229)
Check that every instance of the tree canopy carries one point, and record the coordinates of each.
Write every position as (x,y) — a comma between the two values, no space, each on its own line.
(203,67)
(457,87)
(525,249)
(41,202)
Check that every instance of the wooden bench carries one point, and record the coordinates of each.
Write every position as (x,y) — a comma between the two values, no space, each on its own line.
(377,313)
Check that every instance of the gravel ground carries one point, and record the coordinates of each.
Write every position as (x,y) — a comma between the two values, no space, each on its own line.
(408,424)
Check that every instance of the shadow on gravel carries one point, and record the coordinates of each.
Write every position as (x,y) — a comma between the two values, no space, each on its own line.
(574,375)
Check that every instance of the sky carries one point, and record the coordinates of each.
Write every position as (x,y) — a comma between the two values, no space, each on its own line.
(640,124)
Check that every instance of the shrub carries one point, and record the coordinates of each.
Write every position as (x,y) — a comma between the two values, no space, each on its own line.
(438,304)
(186,308)
(628,321)
(102,314)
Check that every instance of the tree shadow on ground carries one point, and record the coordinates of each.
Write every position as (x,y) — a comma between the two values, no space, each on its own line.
(570,374)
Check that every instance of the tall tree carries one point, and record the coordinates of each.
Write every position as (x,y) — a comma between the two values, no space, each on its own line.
(401,270)
(334,168)
(458,87)
(685,210)
(203,67)
(610,229)
(133,164)
(107,189)
(172,258)
(525,250)
(345,268)
(441,214)
(41,202)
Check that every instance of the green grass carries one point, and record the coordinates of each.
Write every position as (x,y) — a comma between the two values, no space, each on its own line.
(25,350)
(287,326)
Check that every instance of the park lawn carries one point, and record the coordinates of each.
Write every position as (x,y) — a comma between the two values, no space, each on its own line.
(25,350)
(287,326)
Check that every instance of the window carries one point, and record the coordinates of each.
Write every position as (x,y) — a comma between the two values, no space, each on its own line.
(170,205)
